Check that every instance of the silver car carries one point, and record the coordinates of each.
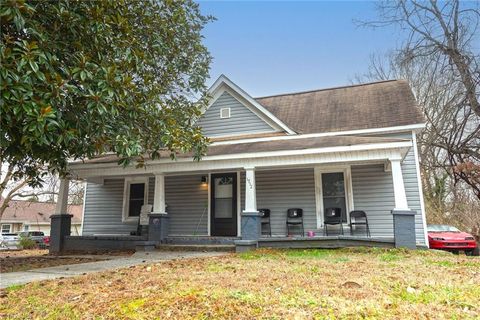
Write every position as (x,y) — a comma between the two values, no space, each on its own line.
(9,241)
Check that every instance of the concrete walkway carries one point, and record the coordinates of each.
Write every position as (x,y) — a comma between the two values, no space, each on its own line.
(72,270)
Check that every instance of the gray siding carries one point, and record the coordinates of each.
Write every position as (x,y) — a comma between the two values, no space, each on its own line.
(279,190)
(185,197)
(103,209)
(373,193)
(411,185)
(187,201)
(241,121)
(413,194)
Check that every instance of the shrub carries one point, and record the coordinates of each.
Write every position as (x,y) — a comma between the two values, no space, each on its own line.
(27,243)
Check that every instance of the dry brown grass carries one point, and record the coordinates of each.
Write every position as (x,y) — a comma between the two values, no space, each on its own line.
(24,253)
(267,284)
(13,261)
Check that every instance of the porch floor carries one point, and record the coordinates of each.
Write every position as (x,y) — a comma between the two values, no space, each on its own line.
(338,241)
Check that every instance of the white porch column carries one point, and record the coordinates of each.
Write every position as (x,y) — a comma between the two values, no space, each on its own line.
(250,190)
(251,227)
(62,200)
(398,186)
(159,196)
(158,224)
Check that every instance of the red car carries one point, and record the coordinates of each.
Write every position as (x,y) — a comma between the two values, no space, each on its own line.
(443,237)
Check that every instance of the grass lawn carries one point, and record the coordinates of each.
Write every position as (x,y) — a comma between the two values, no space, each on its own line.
(270,284)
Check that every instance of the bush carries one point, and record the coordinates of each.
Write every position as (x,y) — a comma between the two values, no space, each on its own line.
(27,243)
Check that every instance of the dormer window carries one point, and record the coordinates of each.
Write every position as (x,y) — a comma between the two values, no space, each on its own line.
(224,113)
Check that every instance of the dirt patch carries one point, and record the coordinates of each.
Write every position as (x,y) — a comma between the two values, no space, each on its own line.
(24,263)
(24,253)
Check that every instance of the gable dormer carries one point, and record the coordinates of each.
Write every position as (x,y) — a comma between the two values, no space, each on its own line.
(232,112)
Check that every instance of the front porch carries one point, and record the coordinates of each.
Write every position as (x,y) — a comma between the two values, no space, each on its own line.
(221,196)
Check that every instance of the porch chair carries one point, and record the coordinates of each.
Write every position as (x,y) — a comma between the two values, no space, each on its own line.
(332,216)
(265,220)
(142,226)
(357,218)
(295,218)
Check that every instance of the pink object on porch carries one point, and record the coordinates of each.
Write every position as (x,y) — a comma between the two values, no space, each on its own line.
(310,233)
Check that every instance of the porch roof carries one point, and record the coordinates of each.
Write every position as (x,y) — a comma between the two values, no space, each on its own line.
(265,146)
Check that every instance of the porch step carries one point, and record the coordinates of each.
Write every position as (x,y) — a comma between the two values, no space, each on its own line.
(200,240)
(197,247)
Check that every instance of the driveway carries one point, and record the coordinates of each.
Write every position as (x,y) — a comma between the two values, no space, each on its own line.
(72,270)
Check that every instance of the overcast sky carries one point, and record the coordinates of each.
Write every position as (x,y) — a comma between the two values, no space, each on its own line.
(278,47)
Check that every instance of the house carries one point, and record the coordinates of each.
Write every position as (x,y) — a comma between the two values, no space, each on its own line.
(347,148)
(23,215)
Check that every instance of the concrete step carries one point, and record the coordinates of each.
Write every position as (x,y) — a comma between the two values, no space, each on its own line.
(197,247)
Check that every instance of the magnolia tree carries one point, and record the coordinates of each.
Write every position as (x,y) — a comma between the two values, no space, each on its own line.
(82,78)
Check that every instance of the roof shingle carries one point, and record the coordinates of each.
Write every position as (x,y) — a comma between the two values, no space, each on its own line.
(364,106)
(37,212)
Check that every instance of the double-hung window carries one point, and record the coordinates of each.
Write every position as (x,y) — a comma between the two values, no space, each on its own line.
(135,196)
(334,195)
(6,228)
(333,189)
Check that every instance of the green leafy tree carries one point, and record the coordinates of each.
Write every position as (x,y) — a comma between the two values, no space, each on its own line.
(83,78)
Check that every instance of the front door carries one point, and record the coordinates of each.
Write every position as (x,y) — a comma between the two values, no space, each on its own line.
(223,204)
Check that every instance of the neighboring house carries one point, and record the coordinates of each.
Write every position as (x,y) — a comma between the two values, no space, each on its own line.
(352,148)
(35,216)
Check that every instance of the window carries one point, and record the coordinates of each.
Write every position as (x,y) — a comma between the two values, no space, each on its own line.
(6,228)
(333,192)
(333,189)
(25,227)
(224,113)
(135,196)
(223,197)
(136,199)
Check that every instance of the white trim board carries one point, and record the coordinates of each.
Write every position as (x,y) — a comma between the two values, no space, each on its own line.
(325,134)
(83,207)
(358,147)
(347,176)
(216,90)
(239,206)
(420,188)
(234,164)
(126,196)
(209,204)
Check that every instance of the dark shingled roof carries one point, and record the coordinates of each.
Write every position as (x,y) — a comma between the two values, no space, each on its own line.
(36,212)
(364,106)
(372,105)
(268,146)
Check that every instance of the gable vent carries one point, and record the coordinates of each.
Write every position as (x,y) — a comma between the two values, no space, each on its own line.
(224,113)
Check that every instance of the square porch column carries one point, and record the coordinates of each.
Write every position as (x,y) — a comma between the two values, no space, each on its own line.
(60,221)
(158,223)
(250,224)
(403,217)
